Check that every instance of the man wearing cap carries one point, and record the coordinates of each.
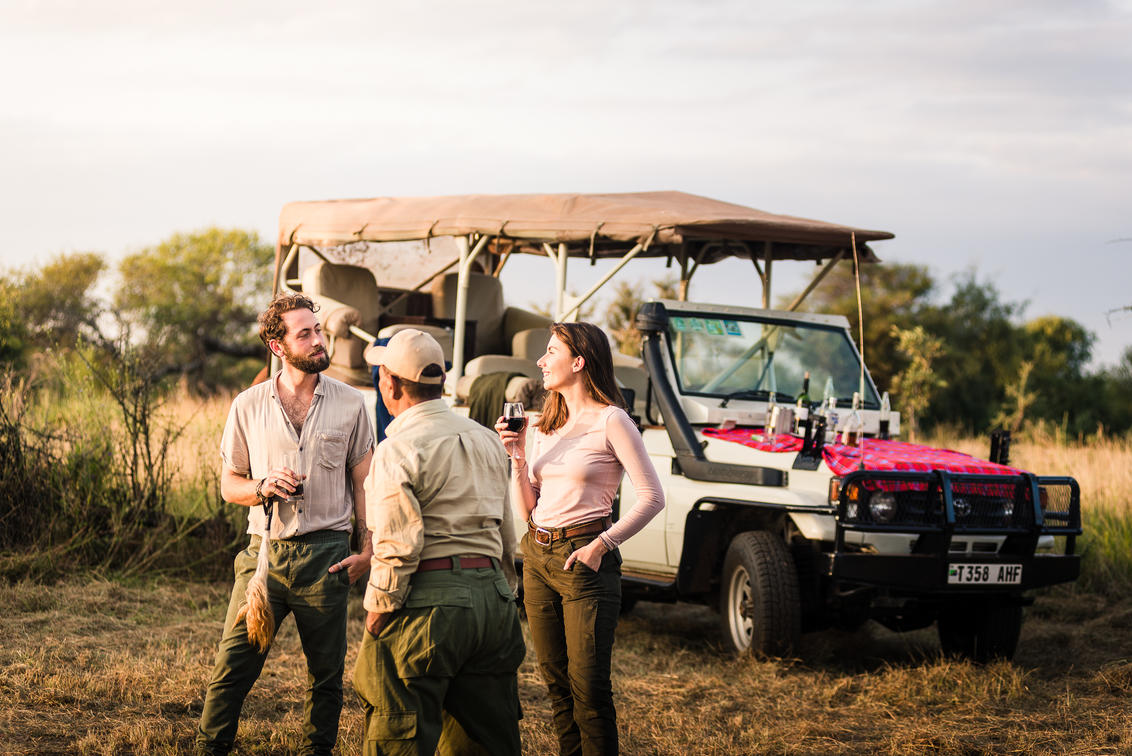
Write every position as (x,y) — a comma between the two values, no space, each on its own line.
(323,423)
(442,645)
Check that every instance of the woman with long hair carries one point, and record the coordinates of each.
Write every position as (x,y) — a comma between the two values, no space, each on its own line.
(582,447)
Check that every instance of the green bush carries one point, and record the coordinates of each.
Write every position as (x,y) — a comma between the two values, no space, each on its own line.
(85,480)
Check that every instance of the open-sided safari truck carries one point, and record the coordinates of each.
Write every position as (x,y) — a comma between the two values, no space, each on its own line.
(782,532)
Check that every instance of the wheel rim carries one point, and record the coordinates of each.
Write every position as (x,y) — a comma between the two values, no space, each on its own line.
(739,609)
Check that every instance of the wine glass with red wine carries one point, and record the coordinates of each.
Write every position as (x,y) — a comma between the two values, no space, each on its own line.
(515,417)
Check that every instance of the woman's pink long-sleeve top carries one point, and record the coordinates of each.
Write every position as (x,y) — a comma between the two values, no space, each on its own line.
(575,476)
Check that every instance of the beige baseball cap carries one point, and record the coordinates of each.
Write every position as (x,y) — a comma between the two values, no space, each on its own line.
(407,354)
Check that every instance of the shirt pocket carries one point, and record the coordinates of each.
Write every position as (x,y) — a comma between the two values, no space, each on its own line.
(331,449)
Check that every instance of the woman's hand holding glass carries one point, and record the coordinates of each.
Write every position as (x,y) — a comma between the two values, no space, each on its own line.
(512,429)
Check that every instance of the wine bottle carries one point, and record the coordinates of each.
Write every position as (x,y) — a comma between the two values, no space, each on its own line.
(802,402)
(854,425)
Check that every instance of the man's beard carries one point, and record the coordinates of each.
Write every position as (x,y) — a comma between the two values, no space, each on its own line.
(307,363)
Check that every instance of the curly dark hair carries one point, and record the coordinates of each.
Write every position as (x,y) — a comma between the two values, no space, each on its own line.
(271,324)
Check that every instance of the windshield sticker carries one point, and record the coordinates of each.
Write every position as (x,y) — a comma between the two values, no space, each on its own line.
(732,328)
(714,327)
(696,324)
(679,324)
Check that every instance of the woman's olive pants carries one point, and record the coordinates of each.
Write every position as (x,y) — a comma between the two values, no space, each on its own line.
(572,617)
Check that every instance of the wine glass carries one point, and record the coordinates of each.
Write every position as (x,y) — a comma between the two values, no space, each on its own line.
(293,461)
(515,417)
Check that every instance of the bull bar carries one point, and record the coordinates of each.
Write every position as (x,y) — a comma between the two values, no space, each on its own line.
(937,506)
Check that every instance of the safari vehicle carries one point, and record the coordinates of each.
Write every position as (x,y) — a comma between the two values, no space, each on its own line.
(782,534)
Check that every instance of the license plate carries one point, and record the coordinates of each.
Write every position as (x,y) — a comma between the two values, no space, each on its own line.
(984,574)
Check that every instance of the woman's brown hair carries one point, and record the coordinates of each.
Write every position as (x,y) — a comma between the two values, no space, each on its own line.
(589,342)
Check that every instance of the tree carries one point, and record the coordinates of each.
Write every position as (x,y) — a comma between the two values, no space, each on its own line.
(1013,414)
(1060,349)
(621,314)
(193,299)
(915,384)
(891,295)
(56,303)
(14,340)
(984,348)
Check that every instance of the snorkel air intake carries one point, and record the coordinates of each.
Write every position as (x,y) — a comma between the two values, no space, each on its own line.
(652,322)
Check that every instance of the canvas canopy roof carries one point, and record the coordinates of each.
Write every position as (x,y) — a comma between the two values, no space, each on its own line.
(598,225)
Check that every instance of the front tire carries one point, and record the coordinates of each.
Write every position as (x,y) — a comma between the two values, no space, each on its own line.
(760,610)
(980,631)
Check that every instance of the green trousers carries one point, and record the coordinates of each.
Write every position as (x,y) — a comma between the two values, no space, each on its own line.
(298,582)
(572,616)
(441,676)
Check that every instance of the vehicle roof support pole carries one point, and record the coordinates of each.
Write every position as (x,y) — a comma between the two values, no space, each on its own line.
(467,257)
(503,261)
(560,280)
(759,270)
(768,258)
(682,292)
(817,280)
(604,280)
(686,281)
(282,282)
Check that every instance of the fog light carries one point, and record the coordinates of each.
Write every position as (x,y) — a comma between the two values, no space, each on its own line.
(883,506)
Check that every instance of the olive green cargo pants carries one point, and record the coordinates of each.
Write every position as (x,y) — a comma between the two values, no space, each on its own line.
(442,673)
(298,582)
(572,616)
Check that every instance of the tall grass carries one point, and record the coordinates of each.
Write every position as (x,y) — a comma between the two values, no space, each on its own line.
(91,477)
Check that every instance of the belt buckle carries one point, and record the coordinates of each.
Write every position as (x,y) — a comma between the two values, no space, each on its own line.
(543,532)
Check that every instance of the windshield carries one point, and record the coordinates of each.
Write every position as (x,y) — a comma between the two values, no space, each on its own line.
(749,359)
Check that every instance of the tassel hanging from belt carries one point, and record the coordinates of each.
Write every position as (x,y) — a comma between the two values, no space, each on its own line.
(256,608)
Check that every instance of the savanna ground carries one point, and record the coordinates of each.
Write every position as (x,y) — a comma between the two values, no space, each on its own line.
(113,665)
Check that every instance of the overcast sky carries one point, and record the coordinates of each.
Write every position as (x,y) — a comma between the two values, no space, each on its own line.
(988,136)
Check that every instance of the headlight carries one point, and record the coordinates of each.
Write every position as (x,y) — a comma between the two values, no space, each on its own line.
(962,506)
(883,506)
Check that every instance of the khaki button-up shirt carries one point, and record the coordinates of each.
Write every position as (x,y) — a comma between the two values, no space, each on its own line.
(437,487)
(336,435)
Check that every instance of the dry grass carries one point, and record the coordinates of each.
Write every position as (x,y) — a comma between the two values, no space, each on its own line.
(1102,466)
(101,667)
(105,668)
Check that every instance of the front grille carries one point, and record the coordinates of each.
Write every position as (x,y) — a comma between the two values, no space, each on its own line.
(985,503)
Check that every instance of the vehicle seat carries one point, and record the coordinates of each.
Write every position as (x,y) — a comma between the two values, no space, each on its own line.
(346,295)
(485,307)
(530,344)
(630,372)
(496,363)
(443,336)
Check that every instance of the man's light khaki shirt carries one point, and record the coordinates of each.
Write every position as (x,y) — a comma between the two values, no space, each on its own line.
(437,487)
(336,435)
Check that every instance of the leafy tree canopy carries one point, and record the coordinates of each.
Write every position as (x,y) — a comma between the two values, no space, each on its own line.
(196,296)
(57,302)
(891,295)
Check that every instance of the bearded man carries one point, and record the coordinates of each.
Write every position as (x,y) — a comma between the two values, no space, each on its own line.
(297,414)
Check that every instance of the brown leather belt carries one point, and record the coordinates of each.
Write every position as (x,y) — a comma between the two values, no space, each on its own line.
(546,536)
(445,563)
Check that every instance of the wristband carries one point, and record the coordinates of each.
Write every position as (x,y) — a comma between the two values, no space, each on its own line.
(259,491)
